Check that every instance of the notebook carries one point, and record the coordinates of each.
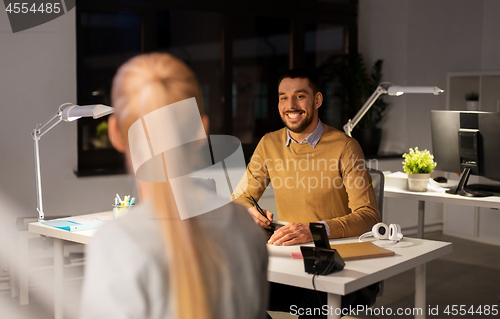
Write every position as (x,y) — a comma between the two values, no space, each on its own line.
(361,250)
(353,251)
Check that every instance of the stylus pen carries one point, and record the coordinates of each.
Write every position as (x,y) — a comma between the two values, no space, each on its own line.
(258,207)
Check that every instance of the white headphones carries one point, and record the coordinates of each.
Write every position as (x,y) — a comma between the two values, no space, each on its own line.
(382,231)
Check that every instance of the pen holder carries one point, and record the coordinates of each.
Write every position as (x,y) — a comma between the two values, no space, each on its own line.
(119,211)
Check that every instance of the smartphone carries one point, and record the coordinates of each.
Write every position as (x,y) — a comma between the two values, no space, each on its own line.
(320,238)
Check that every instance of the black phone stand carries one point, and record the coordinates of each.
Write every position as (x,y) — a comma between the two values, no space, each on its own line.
(321,261)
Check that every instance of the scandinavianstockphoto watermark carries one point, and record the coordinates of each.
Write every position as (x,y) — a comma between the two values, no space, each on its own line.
(311,173)
(311,164)
(170,144)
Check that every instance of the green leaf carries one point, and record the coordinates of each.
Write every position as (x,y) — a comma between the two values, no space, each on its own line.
(418,162)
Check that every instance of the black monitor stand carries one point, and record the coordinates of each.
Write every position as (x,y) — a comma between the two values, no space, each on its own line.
(460,189)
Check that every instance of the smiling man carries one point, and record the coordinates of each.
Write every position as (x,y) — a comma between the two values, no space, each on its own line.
(317,172)
(298,104)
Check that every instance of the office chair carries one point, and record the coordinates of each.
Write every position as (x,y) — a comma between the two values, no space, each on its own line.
(378,183)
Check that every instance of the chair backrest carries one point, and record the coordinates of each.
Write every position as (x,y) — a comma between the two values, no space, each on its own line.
(378,188)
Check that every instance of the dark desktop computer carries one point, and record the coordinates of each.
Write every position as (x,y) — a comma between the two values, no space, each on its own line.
(468,142)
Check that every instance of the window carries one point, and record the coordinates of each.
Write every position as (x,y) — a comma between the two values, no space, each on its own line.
(105,40)
(260,56)
(195,38)
(325,44)
(237,51)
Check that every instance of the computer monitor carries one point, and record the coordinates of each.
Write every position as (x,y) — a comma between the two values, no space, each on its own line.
(467,142)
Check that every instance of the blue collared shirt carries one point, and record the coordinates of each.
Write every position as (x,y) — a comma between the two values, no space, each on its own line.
(312,139)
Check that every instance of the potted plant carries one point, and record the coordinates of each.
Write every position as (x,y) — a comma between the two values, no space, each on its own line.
(419,166)
(472,101)
(357,83)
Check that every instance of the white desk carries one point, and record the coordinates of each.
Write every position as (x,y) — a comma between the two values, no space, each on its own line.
(283,269)
(359,273)
(422,197)
(59,237)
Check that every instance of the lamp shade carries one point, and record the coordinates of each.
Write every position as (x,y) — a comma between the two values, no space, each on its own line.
(399,90)
(75,112)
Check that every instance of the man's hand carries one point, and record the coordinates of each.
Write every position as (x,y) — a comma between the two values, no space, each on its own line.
(291,234)
(261,220)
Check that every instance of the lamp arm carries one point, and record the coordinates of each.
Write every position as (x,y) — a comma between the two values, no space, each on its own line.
(349,126)
(39,203)
(37,133)
(40,129)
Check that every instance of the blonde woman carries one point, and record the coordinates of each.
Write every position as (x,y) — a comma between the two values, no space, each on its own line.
(152,264)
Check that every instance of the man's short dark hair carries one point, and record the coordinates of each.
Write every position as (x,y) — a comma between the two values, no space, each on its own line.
(303,73)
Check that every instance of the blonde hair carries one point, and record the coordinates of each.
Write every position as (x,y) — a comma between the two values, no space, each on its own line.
(142,85)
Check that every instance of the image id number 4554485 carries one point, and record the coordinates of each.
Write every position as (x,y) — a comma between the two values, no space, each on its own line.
(26,7)
(463,310)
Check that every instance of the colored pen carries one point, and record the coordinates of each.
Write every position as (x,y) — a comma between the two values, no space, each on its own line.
(118,197)
(132,201)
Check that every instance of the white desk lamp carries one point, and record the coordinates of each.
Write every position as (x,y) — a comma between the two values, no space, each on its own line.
(391,90)
(67,112)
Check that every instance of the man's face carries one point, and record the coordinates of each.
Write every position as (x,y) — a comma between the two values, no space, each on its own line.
(297,103)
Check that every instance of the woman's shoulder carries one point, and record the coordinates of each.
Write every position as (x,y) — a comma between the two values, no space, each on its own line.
(137,231)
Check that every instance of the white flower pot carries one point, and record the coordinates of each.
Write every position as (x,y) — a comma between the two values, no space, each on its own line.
(472,105)
(418,182)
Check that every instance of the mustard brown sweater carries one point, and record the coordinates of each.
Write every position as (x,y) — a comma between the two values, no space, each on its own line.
(327,183)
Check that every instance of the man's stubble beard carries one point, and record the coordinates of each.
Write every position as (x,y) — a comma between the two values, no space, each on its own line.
(302,126)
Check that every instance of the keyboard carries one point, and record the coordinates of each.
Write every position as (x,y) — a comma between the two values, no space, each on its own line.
(489,188)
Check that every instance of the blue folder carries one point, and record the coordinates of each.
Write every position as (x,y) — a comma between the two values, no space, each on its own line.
(71,226)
